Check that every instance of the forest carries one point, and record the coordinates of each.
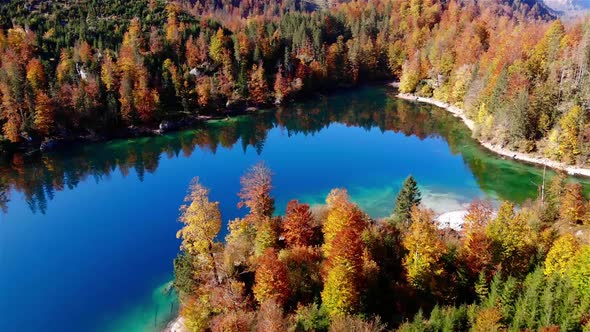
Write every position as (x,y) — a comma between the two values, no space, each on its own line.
(73,69)
(100,68)
(333,268)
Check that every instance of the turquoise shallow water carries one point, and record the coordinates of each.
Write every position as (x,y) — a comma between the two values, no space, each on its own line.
(87,235)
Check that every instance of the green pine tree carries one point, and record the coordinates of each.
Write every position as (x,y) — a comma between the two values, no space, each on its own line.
(407,197)
(481,287)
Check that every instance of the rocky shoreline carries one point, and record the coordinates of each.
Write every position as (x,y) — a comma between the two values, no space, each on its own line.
(520,156)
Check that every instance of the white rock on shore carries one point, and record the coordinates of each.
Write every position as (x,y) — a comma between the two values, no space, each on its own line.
(453,220)
(177,325)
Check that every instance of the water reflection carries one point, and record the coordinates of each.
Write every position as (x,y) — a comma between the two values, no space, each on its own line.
(39,177)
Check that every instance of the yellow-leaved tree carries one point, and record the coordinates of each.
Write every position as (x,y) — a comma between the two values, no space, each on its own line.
(197,313)
(425,249)
(217,44)
(511,237)
(560,257)
(410,75)
(579,273)
(266,235)
(340,212)
(343,249)
(340,294)
(202,222)
(569,143)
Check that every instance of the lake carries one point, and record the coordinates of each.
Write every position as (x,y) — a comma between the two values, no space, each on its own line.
(88,235)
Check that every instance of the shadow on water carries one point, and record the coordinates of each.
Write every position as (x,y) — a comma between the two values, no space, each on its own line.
(39,177)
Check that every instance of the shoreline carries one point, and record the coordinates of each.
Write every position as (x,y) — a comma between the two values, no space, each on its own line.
(54,143)
(58,142)
(515,155)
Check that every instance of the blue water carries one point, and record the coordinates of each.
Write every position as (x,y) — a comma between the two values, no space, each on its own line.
(87,238)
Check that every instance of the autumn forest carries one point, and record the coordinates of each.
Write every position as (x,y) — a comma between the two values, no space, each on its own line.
(72,70)
(333,268)
(244,70)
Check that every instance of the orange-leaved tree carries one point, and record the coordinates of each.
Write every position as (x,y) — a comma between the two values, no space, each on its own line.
(572,208)
(476,246)
(342,213)
(255,192)
(298,224)
(271,281)
(257,85)
(44,113)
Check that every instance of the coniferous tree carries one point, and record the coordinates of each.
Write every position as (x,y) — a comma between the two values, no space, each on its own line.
(408,197)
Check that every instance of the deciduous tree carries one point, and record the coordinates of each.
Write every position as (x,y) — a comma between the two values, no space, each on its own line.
(271,281)
(297,225)
(108,72)
(424,249)
(342,214)
(217,44)
(343,249)
(271,317)
(572,208)
(281,87)
(569,138)
(197,313)
(257,86)
(304,272)
(256,192)
(36,74)
(511,235)
(202,222)
(340,294)
(561,255)
(344,273)
(44,113)
(579,273)
(266,235)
